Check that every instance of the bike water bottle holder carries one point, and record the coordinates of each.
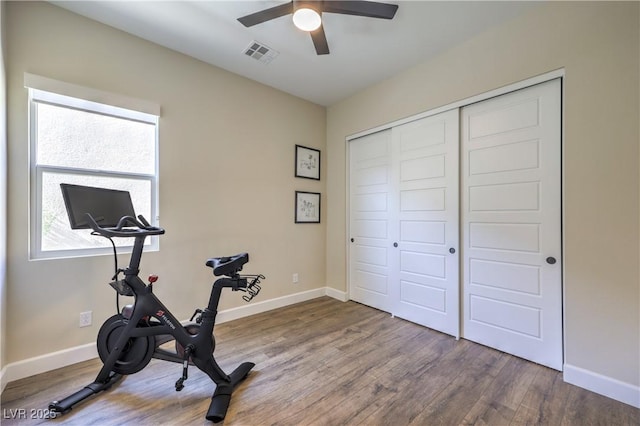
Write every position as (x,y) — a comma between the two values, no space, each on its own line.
(252,287)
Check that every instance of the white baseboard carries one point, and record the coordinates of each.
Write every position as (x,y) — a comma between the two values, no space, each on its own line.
(337,294)
(603,385)
(268,305)
(3,378)
(47,362)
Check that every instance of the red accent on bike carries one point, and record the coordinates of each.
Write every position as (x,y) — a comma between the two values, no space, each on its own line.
(153,278)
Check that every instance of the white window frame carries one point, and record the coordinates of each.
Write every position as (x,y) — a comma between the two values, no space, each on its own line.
(44,90)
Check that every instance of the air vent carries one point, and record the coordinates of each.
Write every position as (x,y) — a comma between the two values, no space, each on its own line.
(260,52)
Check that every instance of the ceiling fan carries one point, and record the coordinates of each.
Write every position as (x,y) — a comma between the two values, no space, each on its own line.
(307,15)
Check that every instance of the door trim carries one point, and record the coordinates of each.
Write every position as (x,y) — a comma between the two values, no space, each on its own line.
(542,78)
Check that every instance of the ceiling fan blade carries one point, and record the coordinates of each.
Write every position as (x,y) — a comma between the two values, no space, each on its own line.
(320,41)
(369,9)
(266,15)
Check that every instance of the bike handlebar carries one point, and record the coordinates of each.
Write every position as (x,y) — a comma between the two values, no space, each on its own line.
(142,227)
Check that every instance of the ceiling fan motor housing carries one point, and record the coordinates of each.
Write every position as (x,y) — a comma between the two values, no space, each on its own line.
(308,4)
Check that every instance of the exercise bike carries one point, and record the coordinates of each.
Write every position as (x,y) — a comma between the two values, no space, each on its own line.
(128,340)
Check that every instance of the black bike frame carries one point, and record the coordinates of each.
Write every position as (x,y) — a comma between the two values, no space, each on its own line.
(199,347)
(147,304)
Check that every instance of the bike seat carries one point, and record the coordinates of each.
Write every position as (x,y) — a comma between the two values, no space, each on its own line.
(227,265)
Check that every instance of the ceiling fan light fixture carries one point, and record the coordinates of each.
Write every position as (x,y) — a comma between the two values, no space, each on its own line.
(306,19)
(307,15)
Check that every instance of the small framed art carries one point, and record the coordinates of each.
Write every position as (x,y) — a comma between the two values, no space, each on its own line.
(307,207)
(307,162)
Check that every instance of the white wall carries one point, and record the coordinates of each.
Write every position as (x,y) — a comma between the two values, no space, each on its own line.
(598,45)
(226,178)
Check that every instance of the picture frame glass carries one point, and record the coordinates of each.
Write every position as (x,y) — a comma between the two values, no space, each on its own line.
(307,162)
(307,207)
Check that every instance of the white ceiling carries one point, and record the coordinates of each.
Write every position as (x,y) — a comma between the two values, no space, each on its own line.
(364,51)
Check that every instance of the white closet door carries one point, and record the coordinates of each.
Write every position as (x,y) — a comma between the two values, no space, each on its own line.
(371,210)
(511,219)
(426,176)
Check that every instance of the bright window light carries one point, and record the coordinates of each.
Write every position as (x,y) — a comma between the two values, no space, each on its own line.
(81,142)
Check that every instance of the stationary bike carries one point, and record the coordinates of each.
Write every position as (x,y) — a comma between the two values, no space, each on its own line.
(128,340)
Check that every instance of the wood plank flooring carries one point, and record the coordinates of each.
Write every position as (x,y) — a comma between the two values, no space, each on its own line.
(324,362)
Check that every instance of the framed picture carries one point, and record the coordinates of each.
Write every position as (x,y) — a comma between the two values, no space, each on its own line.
(307,162)
(307,207)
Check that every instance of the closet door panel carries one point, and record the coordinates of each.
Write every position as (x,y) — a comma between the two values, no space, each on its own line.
(371,210)
(427,191)
(511,223)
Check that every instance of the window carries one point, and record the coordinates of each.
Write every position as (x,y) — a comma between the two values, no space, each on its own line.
(79,141)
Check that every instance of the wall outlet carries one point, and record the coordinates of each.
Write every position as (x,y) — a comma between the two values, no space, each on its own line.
(295,278)
(85,318)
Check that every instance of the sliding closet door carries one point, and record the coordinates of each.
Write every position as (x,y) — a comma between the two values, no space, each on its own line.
(511,223)
(404,223)
(371,211)
(427,287)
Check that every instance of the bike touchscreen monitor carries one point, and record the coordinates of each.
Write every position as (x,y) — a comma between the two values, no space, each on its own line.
(106,206)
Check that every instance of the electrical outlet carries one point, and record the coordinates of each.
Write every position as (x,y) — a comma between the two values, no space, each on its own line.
(85,318)
(295,278)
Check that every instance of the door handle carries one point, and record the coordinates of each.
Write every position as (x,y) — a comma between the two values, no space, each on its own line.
(452,250)
(551,260)
(395,244)
(352,240)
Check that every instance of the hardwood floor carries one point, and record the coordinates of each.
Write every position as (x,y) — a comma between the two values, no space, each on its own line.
(325,362)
